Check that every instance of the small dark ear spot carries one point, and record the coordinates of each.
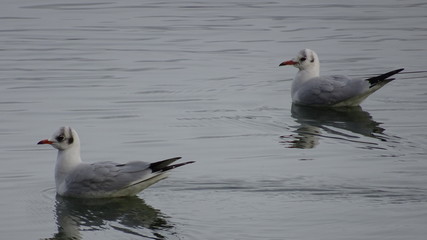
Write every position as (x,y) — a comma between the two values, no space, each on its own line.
(71,139)
(312,60)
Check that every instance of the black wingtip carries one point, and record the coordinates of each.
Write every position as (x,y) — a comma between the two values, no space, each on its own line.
(170,167)
(165,165)
(395,71)
(157,166)
(383,77)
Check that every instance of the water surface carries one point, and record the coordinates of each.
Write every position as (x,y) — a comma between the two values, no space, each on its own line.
(148,80)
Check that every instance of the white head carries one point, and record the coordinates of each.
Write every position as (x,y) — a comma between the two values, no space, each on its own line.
(305,60)
(64,138)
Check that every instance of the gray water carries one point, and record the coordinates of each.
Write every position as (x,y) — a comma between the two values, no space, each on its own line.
(149,80)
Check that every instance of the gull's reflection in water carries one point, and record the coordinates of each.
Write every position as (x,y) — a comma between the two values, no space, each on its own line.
(129,215)
(315,123)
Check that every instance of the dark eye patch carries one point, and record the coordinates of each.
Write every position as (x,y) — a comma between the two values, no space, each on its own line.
(60,138)
(303,59)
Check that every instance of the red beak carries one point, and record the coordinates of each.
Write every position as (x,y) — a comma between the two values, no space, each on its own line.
(290,62)
(45,141)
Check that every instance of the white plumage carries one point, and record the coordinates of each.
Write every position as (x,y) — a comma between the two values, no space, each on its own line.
(309,88)
(74,178)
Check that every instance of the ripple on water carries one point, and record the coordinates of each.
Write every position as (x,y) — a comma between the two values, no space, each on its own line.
(76,218)
(305,190)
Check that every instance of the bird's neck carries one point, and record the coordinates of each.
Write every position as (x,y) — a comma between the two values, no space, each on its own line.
(304,75)
(308,73)
(66,161)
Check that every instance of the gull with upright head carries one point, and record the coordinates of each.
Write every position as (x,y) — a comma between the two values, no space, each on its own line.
(309,88)
(74,178)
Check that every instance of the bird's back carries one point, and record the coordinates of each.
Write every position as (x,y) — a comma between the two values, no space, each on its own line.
(108,179)
(328,90)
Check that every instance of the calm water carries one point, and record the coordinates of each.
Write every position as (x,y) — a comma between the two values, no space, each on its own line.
(148,80)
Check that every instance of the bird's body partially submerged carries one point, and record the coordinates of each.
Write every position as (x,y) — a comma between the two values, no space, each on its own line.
(74,178)
(309,88)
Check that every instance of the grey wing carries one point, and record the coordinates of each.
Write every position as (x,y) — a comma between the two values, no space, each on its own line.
(329,90)
(106,176)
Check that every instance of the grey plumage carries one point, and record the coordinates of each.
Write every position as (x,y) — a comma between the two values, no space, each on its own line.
(309,88)
(74,178)
(108,177)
